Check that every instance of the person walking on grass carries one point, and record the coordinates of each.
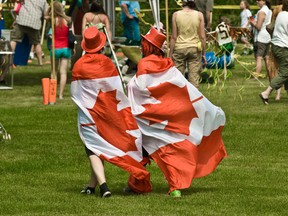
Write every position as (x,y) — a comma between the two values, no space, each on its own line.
(273,67)
(28,23)
(105,122)
(280,52)
(245,15)
(181,129)
(188,41)
(62,51)
(262,38)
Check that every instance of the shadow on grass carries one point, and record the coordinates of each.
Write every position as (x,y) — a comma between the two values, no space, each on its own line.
(196,190)
(32,75)
(156,191)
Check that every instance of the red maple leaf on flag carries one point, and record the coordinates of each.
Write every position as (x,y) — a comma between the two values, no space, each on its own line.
(175,107)
(112,125)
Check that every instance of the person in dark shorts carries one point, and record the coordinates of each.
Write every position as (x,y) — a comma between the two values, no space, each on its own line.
(28,23)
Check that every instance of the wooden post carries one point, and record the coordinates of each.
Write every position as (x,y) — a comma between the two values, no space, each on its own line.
(53,75)
(43,31)
(53,81)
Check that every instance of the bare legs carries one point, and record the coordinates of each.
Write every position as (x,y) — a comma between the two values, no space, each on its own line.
(97,171)
(265,95)
(13,45)
(38,50)
(278,94)
(97,177)
(259,65)
(267,92)
(248,48)
(63,74)
(267,61)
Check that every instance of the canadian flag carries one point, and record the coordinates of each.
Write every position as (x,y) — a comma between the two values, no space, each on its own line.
(181,129)
(105,122)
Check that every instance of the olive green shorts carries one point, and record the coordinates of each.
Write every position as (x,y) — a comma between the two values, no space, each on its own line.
(17,34)
(281,56)
(261,49)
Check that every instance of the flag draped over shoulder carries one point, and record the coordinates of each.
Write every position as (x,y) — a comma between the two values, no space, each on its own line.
(105,122)
(181,129)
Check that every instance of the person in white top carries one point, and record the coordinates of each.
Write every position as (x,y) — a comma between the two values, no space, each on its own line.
(245,15)
(261,36)
(280,51)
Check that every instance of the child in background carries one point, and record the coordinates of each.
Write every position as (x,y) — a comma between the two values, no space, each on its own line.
(224,38)
(245,15)
(62,51)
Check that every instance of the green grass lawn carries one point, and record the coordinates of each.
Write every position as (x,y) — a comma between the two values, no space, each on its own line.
(44,166)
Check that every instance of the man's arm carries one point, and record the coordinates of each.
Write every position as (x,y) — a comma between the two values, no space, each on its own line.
(125,10)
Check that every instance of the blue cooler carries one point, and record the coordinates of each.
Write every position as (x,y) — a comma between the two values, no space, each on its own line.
(218,62)
(2,26)
(22,52)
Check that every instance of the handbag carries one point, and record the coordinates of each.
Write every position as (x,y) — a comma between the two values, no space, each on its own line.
(270,27)
(71,37)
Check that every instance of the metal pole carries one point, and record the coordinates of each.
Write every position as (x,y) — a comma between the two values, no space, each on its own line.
(154,4)
(53,40)
(116,60)
(158,11)
(109,7)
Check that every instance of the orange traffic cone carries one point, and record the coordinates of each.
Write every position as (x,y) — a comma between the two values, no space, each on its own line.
(45,90)
(53,91)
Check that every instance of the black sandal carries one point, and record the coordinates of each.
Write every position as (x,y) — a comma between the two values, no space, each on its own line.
(264,100)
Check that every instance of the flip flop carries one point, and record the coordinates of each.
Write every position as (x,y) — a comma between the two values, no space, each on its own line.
(264,100)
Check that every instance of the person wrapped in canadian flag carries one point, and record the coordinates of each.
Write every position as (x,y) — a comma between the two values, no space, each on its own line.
(105,122)
(181,129)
